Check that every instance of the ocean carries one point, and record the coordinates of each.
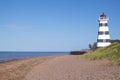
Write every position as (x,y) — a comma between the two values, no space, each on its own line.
(5,56)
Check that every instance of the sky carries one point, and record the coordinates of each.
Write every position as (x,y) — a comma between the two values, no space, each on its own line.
(54,25)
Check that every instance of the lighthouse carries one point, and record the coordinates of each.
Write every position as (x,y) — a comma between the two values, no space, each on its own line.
(103,39)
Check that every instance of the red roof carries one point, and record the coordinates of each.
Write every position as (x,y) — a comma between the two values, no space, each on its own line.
(103,15)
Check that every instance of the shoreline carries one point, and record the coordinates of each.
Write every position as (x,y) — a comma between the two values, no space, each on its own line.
(34,56)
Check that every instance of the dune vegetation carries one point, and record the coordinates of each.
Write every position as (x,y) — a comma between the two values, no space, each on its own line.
(111,53)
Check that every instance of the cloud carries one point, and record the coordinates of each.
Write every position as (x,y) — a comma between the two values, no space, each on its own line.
(14,26)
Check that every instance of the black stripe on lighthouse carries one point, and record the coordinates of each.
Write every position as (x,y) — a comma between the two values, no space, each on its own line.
(103,32)
(103,24)
(103,40)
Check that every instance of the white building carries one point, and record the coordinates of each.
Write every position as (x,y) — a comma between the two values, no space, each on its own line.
(103,32)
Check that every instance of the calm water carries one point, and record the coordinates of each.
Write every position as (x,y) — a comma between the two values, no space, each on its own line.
(17,55)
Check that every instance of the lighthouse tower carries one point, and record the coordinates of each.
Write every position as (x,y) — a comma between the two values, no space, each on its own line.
(103,33)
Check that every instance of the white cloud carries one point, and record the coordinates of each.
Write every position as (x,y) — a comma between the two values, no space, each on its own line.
(14,26)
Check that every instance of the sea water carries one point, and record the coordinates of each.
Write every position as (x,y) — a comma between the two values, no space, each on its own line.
(4,56)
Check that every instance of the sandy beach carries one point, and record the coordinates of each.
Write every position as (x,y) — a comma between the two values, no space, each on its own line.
(17,69)
(65,67)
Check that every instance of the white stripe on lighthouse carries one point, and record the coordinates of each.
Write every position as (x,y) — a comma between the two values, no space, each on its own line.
(101,44)
(103,21)
(104,37)
(103,28)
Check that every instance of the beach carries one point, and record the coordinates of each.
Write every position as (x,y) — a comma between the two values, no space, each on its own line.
(17,69)
(64,67)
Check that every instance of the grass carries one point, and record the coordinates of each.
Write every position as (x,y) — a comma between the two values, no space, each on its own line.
(111,53)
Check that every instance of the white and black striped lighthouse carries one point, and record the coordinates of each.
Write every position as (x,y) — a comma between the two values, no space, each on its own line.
(103,32)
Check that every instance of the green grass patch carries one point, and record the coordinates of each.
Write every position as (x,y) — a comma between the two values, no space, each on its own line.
(111,53)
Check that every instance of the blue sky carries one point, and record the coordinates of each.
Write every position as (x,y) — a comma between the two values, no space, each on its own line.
(54,25)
